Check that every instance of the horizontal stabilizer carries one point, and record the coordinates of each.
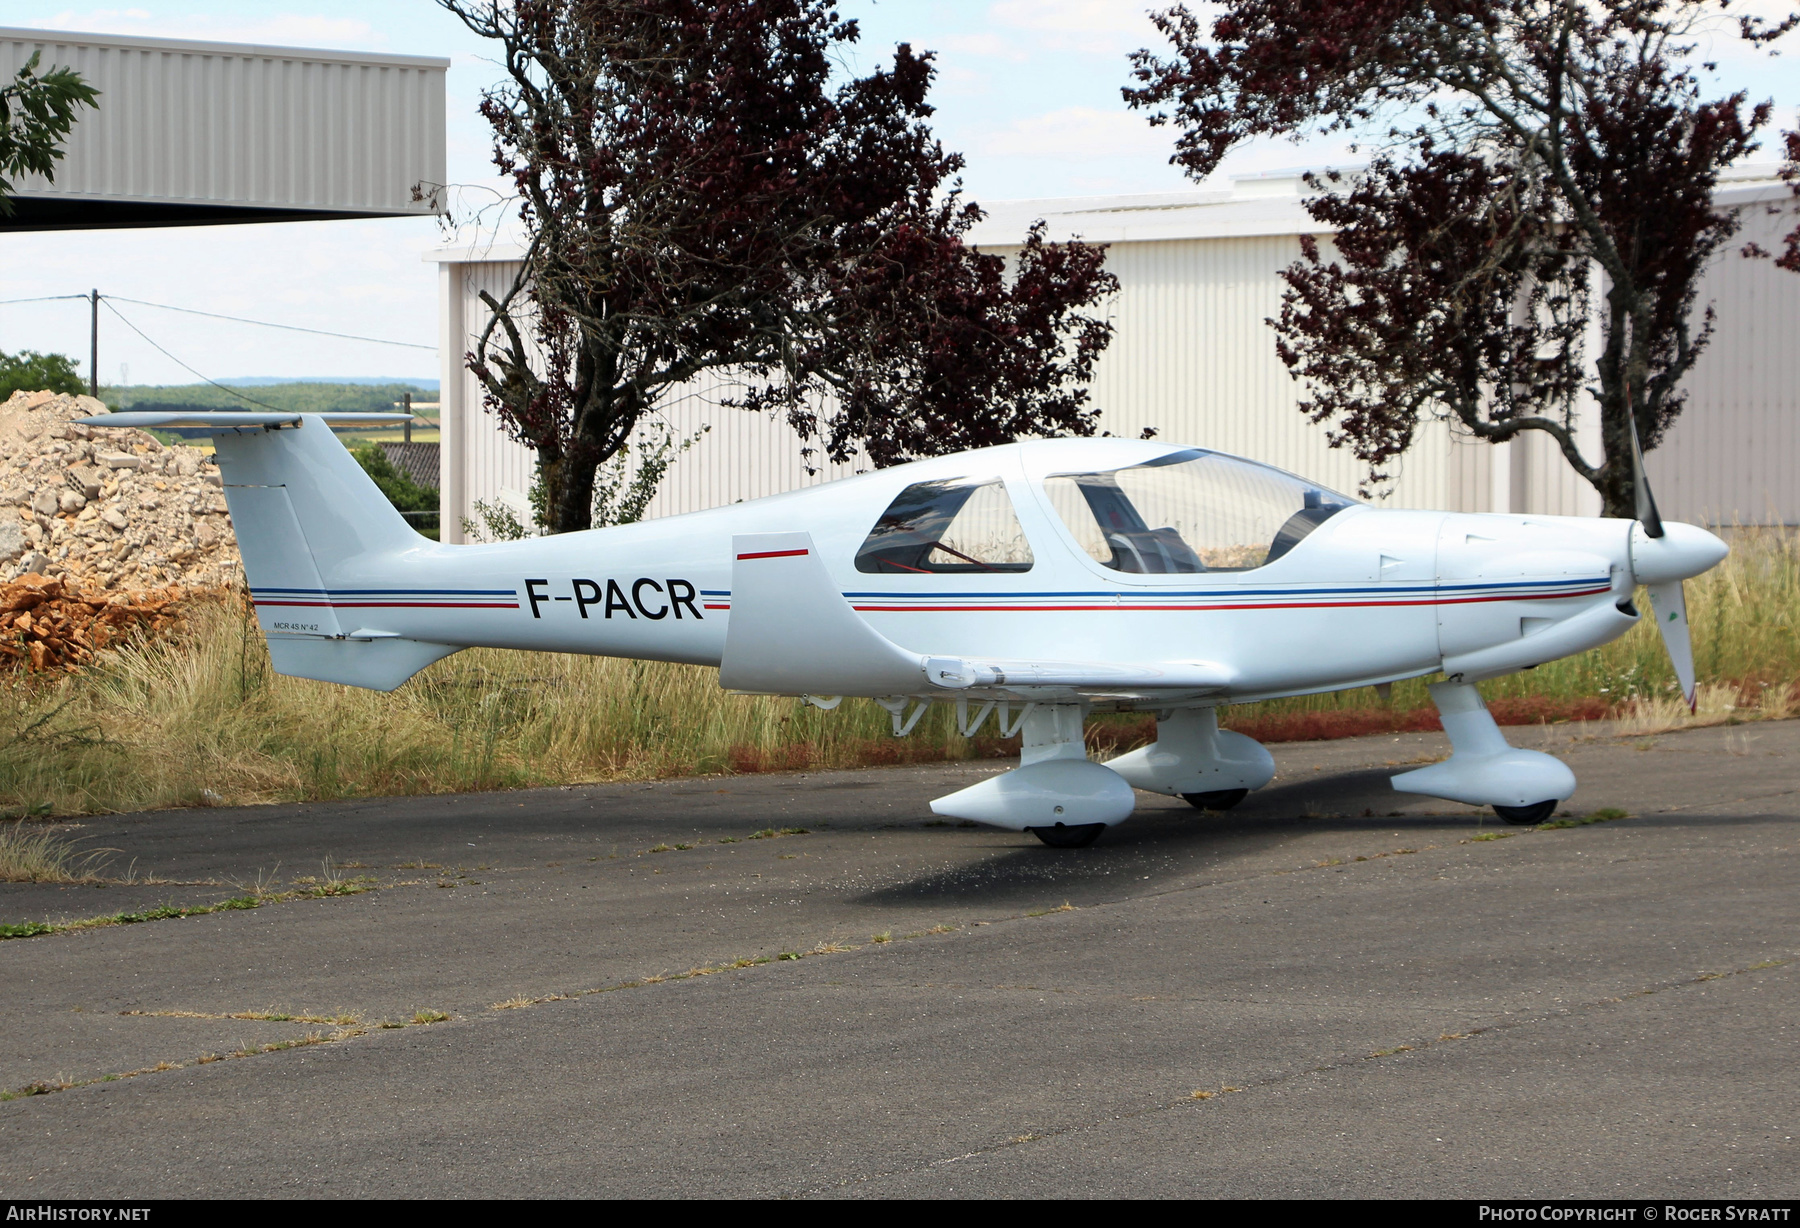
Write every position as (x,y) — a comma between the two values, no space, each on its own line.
(230,420)
(378,664)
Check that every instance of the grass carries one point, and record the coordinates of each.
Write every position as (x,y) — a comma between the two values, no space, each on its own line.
(330,885)
(162,912)
(38,856)
(198,718)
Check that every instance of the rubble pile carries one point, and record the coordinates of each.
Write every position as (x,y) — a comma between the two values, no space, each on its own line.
(106,510)
(44,626)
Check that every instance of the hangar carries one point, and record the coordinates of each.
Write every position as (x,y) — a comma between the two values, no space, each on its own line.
(1193,357)
(197,133)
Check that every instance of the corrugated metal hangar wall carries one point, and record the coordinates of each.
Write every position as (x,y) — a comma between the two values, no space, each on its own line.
(1193,357)
(191,133)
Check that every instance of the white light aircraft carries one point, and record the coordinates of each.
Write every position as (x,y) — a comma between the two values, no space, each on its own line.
(1030,584)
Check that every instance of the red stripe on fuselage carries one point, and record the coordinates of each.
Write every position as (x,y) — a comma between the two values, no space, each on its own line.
(1272,605)
(408,605)
(772,554)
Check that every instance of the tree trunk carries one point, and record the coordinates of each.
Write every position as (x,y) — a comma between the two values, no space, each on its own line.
(1614,483)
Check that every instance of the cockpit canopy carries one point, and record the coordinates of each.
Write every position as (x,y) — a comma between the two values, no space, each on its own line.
(1184,512)
(1210,512)
(957,525)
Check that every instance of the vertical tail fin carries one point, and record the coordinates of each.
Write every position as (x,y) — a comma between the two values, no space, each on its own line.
(304,512)
(307,519)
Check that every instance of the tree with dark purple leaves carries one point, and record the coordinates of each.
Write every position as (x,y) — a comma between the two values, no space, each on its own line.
(1790,172)
(705,188)
(1533,163)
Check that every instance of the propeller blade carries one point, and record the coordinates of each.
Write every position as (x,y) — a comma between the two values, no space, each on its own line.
(1640,490)
(1669,604)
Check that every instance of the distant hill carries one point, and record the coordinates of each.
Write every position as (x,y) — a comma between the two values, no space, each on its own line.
(264,381)
(304,397)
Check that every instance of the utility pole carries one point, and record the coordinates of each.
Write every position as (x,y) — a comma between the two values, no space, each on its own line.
(94,344)
(409,417)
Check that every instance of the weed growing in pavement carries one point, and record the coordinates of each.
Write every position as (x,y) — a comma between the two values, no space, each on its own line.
(40,856)
(1599,816)
(349,1027)
(263,893)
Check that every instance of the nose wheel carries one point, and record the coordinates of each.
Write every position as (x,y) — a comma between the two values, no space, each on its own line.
(1527,816)
(1064,836)
(1224,799)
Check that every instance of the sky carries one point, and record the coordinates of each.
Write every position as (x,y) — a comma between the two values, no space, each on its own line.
(1028,91)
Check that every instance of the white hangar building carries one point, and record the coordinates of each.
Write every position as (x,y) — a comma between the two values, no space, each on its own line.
(1193,357)
(195,133)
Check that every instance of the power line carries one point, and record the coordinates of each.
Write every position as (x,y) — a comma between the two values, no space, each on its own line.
(292,328)
(215,383)
(214,315)
(48,298)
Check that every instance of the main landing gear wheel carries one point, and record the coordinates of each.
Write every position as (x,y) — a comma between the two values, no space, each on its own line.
(1063,836)
(1224,799)
(1527,816)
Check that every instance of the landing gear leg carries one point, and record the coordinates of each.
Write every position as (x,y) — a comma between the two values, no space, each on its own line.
(1523,786)
(1056,793)
(1192,758)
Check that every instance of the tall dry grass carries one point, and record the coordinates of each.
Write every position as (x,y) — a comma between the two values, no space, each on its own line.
(199,718)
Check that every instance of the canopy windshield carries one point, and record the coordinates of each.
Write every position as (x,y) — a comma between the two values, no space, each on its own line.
(1190,511)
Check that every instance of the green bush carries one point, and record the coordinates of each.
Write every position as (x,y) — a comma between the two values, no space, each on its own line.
(405,494)
(30,371)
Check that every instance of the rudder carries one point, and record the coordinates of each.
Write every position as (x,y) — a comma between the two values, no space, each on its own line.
(304,510)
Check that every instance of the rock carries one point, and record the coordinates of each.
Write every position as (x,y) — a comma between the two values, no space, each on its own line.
(45,503)
(69,501)
(12,540)
(34,561)
(158,498)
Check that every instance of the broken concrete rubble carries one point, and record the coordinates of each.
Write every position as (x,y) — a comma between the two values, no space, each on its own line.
(107,509)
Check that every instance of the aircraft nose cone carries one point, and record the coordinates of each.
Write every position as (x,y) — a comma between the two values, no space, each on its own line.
(1683,551)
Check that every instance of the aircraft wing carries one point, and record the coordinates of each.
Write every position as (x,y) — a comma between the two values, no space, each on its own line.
(792,633)
(960,672)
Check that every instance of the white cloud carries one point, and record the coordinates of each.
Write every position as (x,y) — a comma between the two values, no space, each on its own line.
(278,29)
(1073,16)
(991,46)
(1091,27)
(1077,134)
